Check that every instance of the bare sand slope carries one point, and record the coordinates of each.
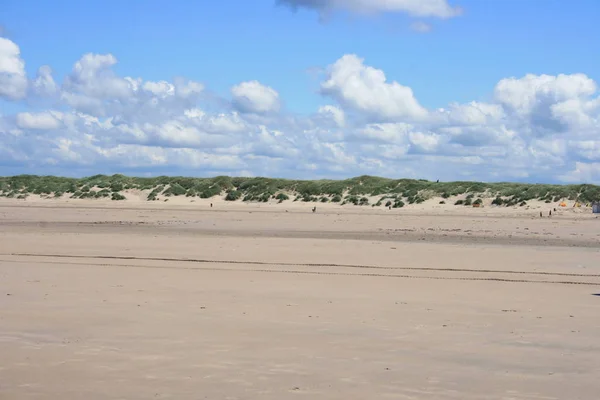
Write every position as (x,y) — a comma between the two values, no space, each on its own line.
(250,304)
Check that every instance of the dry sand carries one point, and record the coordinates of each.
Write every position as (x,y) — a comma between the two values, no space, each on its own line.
(182,301)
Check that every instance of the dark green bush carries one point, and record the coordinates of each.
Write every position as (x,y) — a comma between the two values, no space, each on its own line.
(117,197)
(233,195)
(398,204)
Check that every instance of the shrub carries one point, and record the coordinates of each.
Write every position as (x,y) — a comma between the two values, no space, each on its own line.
(363,201)
(478,201)
(398,204)
(282,196)
(445,195)
(352,199)
(117,197)
(388,203)
(103,193)
(116,186)
(442,202)
(233,195)
(459,202)
(498,201)
(336,198)
(324,199)
(210,192)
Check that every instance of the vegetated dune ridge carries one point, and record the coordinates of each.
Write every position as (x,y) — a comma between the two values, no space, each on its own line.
(364,190)
(195,297)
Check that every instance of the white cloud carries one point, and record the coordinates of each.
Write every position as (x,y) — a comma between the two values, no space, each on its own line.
(254,97)
(44,84)
(474,113)
(160,89)
(186,89)
(525,94)
(13,81)
(365,89)
(534,127)
(335,113)
(38,121)
(546,103)
(419,8)
(583,173)
(386,132)
(92,76)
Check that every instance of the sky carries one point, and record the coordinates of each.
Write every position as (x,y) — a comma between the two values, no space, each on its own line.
(492,90)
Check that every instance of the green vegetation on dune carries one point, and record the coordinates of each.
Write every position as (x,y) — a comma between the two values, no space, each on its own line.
(390,192)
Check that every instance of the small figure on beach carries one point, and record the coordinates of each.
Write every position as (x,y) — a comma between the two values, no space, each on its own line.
(314,209)
(550,213)
(210,205)
(541,214)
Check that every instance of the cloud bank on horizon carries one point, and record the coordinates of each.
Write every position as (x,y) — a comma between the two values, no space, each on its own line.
(534,127)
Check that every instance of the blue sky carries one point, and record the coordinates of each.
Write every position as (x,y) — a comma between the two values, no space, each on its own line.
(449,63)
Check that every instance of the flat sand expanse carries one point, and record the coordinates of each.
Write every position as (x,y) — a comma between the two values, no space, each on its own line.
(129,301)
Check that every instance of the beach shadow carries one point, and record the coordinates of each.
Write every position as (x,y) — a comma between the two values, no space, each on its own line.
(596,294)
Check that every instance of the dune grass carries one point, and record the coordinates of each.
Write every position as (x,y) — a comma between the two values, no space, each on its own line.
(391,192)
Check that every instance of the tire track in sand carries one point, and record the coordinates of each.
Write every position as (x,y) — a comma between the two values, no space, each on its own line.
(311,265)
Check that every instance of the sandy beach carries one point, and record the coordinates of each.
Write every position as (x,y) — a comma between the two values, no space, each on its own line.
(138,300)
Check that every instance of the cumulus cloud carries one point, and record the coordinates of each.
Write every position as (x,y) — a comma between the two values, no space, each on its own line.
(13,80)
(535,127)
(254,97)
(335,113)
(365,89)
(38,121)
(418,8)
(92,76)
(546,103)
(44,84)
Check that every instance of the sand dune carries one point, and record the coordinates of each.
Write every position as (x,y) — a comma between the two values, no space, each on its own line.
(137,301)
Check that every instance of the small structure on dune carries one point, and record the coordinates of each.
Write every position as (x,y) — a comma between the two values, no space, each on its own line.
(596,207)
